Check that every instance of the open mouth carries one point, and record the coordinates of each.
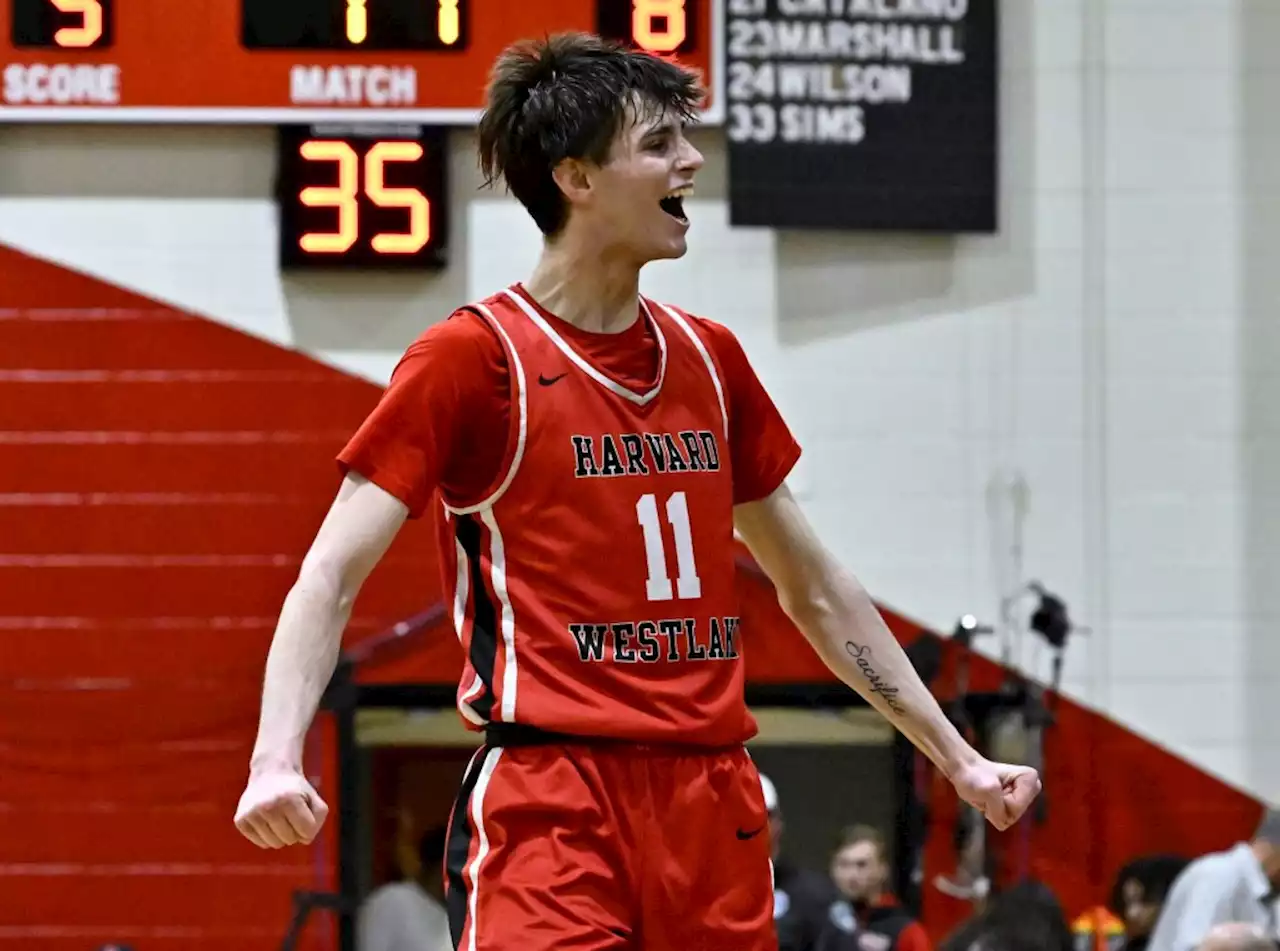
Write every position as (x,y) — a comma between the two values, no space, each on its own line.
(673,203)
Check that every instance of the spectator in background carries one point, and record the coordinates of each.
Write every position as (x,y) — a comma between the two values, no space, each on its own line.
(1236,886)
(989,941)
(1031,910)
(1026,917)
(1137,896)
(865,917)
(409,915)
(1140,892)
(801,897)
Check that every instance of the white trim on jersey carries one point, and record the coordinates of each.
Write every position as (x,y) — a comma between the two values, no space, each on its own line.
(613,386)
(464,705)
(523,412)
(497,554)
(460,591)
(706,358)
(477,816)
(498,572)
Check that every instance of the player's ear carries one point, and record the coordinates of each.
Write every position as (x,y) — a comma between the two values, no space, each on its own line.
(573,179)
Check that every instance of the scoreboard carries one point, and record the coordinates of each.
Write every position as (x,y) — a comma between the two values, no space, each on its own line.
(839,114)
(362,91)
(300,61)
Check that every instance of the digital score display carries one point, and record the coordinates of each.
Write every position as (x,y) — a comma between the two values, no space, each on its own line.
(308,61)
(659,26)
(863,116)
(363,197)
(436,25)
(63,24)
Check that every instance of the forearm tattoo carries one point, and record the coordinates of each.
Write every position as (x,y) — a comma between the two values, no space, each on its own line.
(862,657)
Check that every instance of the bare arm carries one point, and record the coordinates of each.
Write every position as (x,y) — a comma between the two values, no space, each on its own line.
(838,617)
(355,534)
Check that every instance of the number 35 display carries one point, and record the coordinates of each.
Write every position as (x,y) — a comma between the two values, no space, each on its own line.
(355,198)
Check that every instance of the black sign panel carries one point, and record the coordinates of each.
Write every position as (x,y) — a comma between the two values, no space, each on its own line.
(863,114)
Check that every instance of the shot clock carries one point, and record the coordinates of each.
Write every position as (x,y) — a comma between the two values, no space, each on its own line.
(363,197)
(307,61)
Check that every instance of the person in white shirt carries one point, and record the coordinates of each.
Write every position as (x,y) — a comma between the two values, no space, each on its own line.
(1237,886)
(409,915)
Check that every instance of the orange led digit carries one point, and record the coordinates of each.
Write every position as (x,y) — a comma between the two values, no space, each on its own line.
(342,197)
(671,14)
(90,29)
(357,21)
(449,22)
(411,199)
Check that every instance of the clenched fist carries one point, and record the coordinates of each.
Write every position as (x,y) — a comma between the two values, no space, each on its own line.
(1000,791)
(279,808)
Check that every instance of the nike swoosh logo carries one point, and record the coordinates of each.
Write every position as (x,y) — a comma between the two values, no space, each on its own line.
(744,834)
(548,380)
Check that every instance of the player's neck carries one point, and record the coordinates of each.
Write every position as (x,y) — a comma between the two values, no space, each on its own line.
(586,289)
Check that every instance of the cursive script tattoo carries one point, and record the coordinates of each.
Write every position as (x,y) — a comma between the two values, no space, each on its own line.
(862,657)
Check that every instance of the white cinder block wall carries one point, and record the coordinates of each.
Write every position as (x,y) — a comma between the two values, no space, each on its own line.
(1111,351)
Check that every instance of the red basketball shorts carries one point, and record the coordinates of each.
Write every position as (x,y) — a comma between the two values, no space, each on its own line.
(594,847)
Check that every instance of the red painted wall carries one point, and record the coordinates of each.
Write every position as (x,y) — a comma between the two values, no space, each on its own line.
(160,478)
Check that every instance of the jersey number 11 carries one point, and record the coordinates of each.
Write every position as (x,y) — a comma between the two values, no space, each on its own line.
(659,587)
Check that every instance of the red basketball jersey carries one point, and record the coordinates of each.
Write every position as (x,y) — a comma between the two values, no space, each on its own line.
(593,590)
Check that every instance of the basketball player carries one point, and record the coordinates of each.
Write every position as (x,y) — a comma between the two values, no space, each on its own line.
(587,455)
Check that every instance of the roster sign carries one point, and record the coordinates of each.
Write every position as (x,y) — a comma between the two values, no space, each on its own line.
(863,114)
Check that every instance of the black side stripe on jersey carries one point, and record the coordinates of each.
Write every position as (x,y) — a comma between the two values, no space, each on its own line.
(458,850)
(484,613)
